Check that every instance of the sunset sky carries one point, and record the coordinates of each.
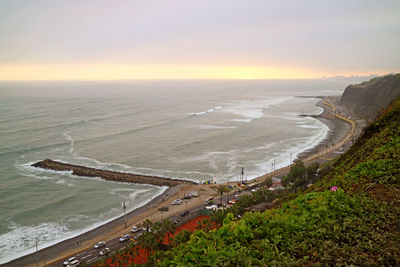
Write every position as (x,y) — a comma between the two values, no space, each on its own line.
(183,39)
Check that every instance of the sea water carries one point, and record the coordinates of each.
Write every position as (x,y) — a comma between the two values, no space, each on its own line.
(197,130)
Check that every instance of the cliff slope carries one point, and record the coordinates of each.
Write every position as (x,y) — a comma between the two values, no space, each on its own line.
(368,99)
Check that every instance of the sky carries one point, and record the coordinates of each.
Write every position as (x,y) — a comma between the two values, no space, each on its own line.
(202,39)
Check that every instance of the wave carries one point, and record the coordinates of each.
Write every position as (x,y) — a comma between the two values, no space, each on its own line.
(20,240)
(47,127)
(71,142)
(252,110)
(27,150)
(207,111)
(214,127)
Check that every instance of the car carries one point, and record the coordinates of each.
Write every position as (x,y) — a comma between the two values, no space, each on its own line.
(104,251)
(254,190)
(212,207)
(163,209)
(100,244)
(188,196)
(176,202)
(184,213)
(209,200)
(73,263)
(69,261)
(125,238)
(138,235)
(135,229)
(176,222)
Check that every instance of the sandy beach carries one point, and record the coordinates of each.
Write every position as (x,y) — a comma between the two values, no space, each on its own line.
(341,131)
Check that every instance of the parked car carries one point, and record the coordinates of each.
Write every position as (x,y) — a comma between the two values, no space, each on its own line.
(104,251)
(212,207)
(135,229)
(163,209)
(67,262)
(176,202)
(184,213)
(209,200)
(124,238)
(100,244)
(73,263)
(176,222)
(188,196)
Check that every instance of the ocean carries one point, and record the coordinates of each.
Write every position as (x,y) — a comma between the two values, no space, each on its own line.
(197,130)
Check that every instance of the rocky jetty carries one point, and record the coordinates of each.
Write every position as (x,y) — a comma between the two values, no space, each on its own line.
(109,175)
(368,99)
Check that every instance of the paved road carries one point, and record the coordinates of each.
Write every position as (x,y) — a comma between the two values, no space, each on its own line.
(91,255)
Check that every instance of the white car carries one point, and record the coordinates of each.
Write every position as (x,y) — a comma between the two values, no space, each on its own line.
(125,238)
(104,251)
(212,207)
(69,261)
(135,229)
(100,244)
(73,263)
(176,202)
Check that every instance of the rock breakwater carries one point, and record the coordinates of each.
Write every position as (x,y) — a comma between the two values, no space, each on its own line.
(109,175)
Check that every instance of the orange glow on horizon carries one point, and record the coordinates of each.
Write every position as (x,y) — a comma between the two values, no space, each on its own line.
(31,72)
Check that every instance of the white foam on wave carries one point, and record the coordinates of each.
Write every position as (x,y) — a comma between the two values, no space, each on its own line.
(214,127)
(20,240)
(320,110)
(309,126)
(293,148)
(206,111)
(251,110)
(41,177)
(71,141)
(28,170)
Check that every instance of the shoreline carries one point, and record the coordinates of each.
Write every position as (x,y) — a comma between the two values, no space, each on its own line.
(108,230)
(337,131)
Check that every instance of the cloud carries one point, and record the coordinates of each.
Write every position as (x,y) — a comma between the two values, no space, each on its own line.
(329,36)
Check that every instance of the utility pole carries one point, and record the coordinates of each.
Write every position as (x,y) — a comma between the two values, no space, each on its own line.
(272,169)
(36,245)
(124,208)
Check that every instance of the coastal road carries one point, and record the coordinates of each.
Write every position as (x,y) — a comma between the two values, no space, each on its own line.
(91,254)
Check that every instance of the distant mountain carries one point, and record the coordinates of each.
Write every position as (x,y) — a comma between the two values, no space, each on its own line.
(368,99)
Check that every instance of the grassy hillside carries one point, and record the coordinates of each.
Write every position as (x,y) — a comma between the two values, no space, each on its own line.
(351,216)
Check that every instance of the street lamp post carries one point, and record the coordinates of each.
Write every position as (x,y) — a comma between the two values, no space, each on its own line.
(36,246)
(124,208)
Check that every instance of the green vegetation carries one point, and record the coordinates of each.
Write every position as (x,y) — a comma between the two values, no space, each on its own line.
(300,174)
